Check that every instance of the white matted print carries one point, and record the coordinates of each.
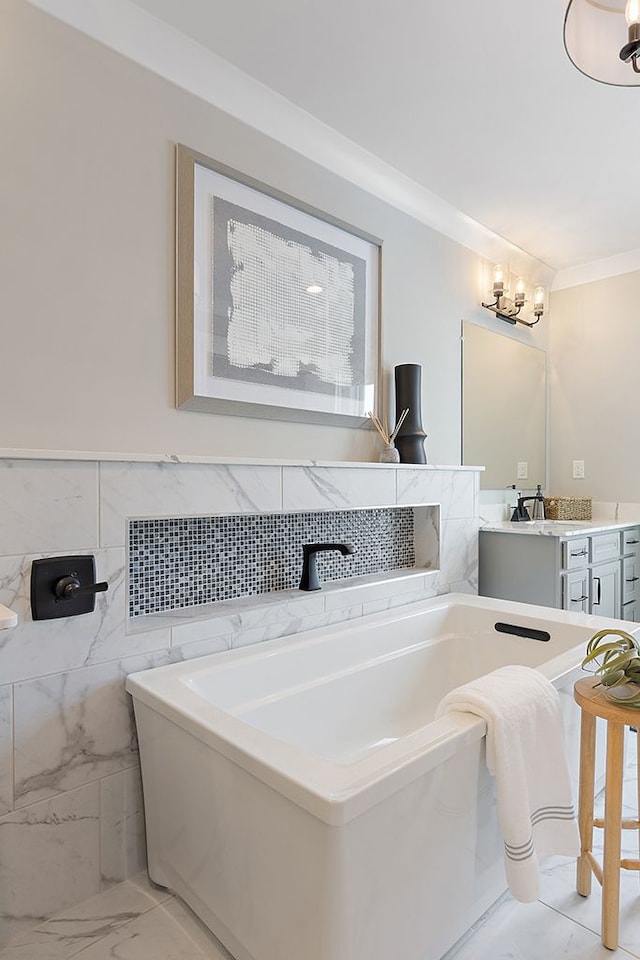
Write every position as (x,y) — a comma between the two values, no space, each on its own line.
(284,311)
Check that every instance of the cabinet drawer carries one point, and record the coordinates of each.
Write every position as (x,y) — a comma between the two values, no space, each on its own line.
(575,553)
(631,540)
(630,611)
(606,546)
(630,579)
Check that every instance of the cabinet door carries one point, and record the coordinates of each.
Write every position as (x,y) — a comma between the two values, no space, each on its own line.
(575,591)
(606,589)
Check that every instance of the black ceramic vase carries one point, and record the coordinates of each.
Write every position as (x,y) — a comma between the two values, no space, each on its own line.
(410,438)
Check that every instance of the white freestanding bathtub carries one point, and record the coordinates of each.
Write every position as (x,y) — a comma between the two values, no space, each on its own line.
(301,797)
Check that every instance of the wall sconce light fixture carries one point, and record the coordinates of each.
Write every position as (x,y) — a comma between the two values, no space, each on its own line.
(509,308)
(594,38)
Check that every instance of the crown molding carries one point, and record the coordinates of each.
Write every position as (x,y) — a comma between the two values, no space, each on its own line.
(627,262)
(154,44)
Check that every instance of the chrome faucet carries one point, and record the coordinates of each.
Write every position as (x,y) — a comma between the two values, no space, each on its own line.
(310,579)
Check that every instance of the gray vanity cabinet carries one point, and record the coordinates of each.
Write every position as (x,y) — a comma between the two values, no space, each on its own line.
(592,573)
(515,566)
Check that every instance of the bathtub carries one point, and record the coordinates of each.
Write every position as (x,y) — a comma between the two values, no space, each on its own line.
(302,799)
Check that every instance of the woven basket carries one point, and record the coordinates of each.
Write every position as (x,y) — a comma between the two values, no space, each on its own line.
(567,508)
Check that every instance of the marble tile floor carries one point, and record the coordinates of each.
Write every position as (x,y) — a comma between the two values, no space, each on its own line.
(133,921)
(561,925)
(129,921)
(136,921)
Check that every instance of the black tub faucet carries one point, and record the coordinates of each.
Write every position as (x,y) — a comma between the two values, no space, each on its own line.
(310,579)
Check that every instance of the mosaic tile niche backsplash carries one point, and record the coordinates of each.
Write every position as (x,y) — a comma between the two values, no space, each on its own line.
(186,561)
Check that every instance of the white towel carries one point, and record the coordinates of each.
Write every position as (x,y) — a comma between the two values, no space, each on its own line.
(525,752)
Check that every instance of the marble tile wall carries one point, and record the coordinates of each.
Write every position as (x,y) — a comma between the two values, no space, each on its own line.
(70,798)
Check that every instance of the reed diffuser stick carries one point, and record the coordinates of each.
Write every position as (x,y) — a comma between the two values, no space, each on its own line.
(403,416)
(376,422)
(383,429)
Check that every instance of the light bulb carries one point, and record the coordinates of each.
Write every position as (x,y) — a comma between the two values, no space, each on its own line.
(498,281)
(632,12)
(538,301)
(519,296)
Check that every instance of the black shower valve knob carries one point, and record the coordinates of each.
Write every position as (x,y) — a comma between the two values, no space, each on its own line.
(64,587)
(68,587)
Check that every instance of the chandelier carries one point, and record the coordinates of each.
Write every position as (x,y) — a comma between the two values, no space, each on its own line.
(602,39)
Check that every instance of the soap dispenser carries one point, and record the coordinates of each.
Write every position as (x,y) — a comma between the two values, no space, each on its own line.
(538,505)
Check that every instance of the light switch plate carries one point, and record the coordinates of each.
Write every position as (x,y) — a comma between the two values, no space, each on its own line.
(523,470)
(578,469)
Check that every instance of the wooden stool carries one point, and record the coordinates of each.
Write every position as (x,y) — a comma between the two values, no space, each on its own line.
(593,703)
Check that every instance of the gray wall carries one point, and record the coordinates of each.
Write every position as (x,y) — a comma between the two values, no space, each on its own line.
(594,351)
(87,261)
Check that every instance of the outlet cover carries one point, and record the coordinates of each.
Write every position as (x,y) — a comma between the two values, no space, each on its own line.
(523,470)
(578,469)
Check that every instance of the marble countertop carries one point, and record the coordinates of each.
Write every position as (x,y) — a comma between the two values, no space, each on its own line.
(555,528)
(99,456)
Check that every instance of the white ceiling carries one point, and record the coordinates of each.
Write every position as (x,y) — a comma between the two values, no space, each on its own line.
(467,114)
(477,101)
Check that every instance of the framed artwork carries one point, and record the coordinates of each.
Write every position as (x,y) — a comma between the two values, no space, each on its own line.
(277,304)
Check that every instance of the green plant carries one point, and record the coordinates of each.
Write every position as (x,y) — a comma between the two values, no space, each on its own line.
(616,662)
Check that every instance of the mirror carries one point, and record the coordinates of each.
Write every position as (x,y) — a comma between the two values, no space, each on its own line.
(503,408)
